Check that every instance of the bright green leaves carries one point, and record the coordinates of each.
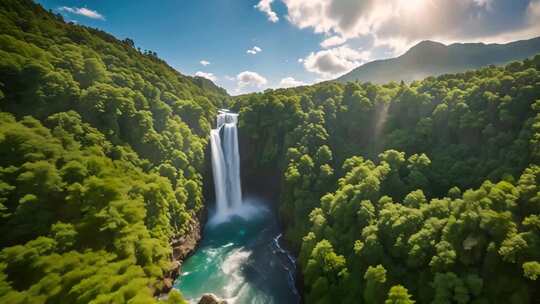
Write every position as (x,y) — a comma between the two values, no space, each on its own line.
(399,295)
(175,297)
(375,278)
(441,204)
(513,247)
(531,270)
(102,166)
(65,236)
(415,199)
(93,71)
(65,187)
(431,236)
(325,270)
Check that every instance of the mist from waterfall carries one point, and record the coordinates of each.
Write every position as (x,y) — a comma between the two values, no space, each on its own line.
(226,166)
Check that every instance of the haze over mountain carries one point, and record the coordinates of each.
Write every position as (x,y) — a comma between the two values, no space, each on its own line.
(430,58)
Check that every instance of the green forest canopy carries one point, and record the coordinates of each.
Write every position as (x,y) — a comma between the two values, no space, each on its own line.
(391,193)
(102,152)
(432,187)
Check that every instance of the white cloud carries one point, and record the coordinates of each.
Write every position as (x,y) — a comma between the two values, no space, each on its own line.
(334,62)
(208,76)
(333,41)
(265,7)
(289,82)
(249,81)
(254,50)
(83,11)
(248,78)
(399,24)
(204,62)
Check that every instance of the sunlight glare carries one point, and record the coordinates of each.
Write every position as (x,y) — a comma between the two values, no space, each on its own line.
(412,6)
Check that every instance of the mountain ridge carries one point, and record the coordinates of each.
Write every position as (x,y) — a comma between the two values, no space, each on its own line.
(431,58)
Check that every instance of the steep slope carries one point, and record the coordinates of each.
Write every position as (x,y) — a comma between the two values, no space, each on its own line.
(102,153)
(428,190)
(429,58)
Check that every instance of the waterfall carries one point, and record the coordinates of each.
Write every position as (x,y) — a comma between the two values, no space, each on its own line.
(226,163)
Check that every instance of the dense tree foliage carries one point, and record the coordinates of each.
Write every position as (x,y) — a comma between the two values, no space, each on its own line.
(101,161)
(424,192)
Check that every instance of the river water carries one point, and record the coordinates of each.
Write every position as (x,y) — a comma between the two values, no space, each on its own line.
(240,259)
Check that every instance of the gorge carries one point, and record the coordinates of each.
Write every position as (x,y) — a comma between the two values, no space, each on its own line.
(240,258)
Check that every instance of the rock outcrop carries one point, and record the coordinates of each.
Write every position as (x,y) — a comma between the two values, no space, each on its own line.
(210,298)
(182,248)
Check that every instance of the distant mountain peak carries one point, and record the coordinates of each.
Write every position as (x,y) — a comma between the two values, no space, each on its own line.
(427,44)
(432,58)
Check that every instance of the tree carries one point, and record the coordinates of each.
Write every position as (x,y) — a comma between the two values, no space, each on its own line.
(531,270)
(399,295)
(175,297)
(375,284)
(94,71)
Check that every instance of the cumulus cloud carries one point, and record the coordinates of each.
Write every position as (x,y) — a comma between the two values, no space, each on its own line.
(265,7)
(83,11)
(334,62)
(250,79)
(401,23)
(204,62)
(208,76)
(254,50)
(333,41)
(289,82)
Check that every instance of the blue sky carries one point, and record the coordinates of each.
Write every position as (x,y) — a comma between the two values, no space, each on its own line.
(251,45)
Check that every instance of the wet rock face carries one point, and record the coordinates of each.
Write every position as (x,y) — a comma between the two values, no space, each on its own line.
(182,248)
(210,298)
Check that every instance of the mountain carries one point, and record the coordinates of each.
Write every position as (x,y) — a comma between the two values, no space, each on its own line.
(429,58)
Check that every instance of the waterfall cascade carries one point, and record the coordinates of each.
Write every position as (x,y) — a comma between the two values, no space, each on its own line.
(240,258)
(226,163)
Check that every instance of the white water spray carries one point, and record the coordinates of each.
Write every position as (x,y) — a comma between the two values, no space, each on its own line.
(226,164)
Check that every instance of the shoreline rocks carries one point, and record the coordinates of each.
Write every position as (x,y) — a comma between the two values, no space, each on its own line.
(182,248)
(210,298)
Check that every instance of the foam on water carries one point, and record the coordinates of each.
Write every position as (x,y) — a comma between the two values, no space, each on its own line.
(241,260)
(248,210)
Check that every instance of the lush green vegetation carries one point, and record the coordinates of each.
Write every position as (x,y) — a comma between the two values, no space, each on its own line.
(101,160)
(427,192)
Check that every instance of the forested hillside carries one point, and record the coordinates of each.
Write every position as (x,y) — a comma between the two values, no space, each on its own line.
(427,192)
(101,159)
